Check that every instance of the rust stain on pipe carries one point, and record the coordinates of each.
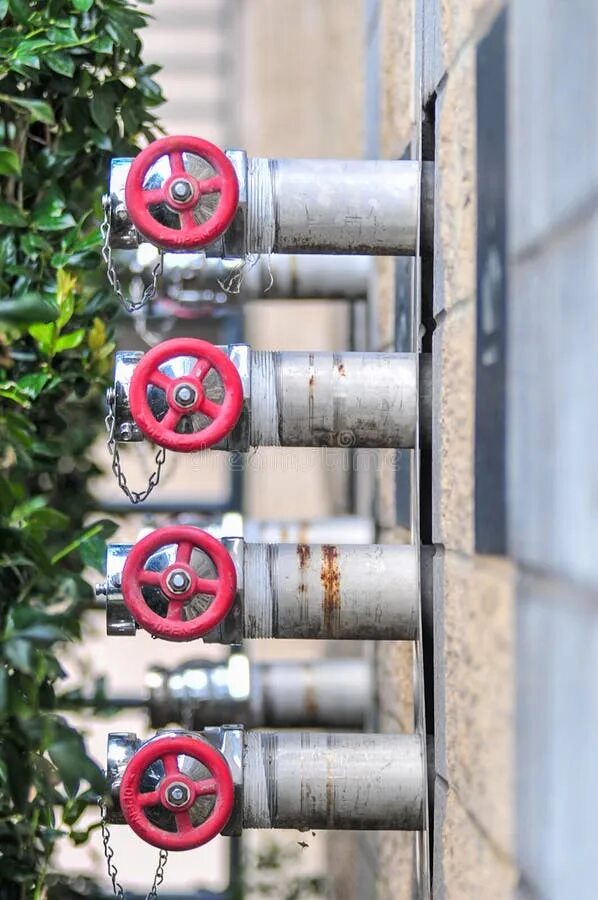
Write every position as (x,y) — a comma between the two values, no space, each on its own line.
(330,577)
(304,554)
(311,700)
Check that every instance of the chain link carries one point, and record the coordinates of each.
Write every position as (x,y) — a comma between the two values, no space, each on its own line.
(160,458)
(117,887)
(149,291)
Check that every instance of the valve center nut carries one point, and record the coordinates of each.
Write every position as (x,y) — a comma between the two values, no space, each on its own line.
(181,190)
(177,794)
(185,395)
(178,581)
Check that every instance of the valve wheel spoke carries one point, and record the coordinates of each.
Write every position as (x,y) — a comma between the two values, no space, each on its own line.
(210,185)
(187,218)
(210,408)
(175,610)
(201,369)
(177,165)
(150,578)
(206,787)
(183,822)
(153,196)
(151,798)
(184,551)
(160,380)
(170,761)
(172,419)
(205,586)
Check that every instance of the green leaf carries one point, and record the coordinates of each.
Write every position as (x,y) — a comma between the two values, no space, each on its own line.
(93,551)
(9,162)
(67,752)
(82,5)
(19,654)
(28,308)
(63,33)
(18,772)
(103,43)
(33,383)
(4,691)
(7,496)
(44,335)
(61,62)
(39,110)
(49,215)
(10,391)
(103,109)
(21,10)
(42,634)
(78,542)
(11,215)
(3,8)
(69,341)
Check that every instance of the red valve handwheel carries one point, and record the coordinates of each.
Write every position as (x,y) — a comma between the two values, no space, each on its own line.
(191,236)
(134,803)
(224,415)
(174,627)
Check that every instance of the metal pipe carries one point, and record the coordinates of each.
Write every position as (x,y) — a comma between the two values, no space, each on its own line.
(333,206)
(318,781)
(308,277)
(189,278)
(301,399)
(330,591)
(330,693)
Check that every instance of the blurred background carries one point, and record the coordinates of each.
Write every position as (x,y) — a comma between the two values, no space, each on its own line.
(502,97)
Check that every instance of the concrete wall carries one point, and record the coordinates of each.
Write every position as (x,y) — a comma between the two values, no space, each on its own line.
(553,376)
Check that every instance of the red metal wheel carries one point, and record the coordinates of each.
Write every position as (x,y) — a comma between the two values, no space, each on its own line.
(182,193)
(179,583)
(185,395)
(177,792)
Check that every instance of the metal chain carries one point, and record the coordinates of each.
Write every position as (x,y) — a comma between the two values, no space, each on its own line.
(117,887)
(149,291)
(160,458)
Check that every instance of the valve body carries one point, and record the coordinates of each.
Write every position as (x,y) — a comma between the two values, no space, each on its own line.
(289,399)
(326,591)
(300,780)
(296,206)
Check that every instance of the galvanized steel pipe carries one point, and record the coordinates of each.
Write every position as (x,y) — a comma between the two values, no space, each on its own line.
(276,278)
(317,781)
(301,399)
(330,693)
(330,591)
(335,206)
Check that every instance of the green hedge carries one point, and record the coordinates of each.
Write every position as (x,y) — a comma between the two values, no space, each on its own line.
(73,93)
